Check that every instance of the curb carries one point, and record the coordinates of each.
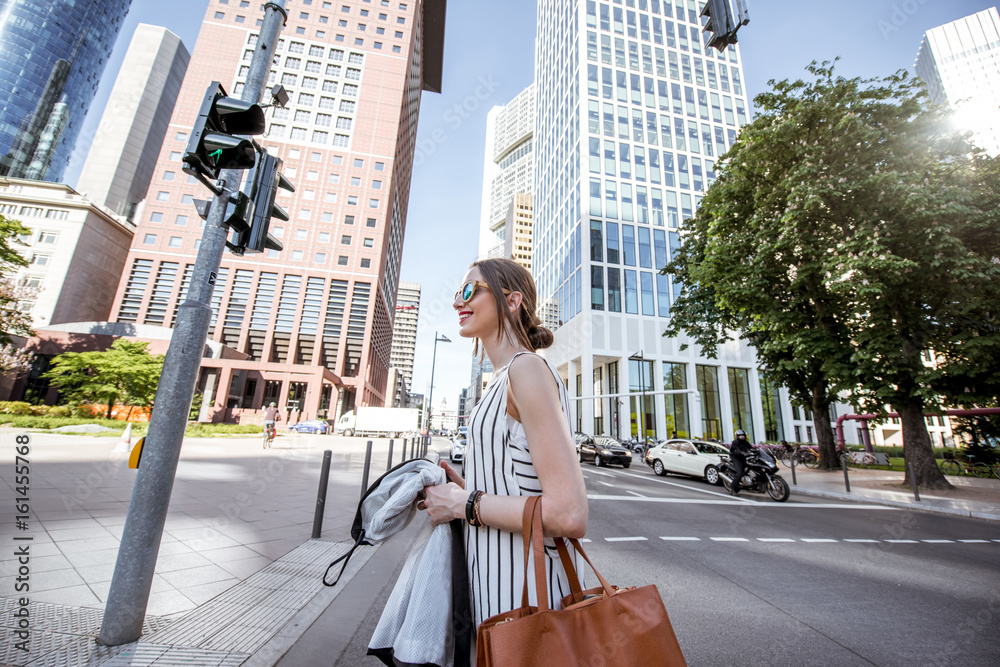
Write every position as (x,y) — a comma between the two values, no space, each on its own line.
(972,514)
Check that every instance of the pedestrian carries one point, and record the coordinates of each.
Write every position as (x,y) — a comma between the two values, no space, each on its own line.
(519,444)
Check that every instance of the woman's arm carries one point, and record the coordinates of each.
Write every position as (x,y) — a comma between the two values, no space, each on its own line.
(533,399)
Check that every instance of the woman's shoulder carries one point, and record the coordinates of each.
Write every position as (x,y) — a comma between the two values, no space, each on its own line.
(530,368)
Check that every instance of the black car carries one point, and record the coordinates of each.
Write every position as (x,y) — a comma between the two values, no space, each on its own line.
(602,450)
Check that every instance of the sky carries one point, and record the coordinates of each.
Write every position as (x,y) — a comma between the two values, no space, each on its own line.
(489,58)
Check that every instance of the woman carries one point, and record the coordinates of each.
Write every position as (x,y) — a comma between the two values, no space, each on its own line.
(519,444)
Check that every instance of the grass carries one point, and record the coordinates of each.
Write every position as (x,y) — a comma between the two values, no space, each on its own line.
(194,429)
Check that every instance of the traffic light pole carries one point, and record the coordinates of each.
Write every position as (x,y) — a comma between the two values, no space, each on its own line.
(133,576)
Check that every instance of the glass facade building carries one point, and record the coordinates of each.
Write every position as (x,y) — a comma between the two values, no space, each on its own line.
(52,54)
(633,112)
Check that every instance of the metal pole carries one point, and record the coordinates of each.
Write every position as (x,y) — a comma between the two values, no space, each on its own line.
(430,392)
(847,481)
(324,479)
(128,596)
(368,463)
(794,483)
(404,449)
(388,466)
(913,480)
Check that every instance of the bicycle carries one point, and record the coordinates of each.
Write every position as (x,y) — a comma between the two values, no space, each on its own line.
(269,434)
(955,466)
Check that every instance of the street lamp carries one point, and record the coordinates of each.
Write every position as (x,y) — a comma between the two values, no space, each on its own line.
(642,388)
(430,394)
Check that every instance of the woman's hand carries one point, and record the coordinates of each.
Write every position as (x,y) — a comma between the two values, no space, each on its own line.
(444,502)
(453,475)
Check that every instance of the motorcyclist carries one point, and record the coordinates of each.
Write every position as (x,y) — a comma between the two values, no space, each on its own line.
(738,459)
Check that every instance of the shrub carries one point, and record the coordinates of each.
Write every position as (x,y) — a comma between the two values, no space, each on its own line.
(60,411)
(16,408)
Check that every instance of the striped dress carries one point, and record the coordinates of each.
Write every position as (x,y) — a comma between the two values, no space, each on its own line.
(498,462)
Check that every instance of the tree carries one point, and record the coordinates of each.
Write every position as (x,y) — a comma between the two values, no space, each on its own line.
(124,374)
(13,320)
(848,235)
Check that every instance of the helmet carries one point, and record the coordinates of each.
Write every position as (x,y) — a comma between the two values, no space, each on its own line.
(741,432)
(273,404)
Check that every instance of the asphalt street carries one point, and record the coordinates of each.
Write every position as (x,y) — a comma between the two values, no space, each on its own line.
(748,581)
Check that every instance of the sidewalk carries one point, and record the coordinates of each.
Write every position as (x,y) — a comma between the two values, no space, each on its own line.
(971,497)
(238,579)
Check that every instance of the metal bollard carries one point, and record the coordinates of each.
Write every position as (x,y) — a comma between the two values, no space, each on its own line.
(404,449)
(794,483)
(427,444)
(368,463)
(388,466)
(324,478)
(913,479)
(847,482)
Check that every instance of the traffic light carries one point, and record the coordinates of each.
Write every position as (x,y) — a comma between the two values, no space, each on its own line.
(213,146)
(721,22)
(263,183)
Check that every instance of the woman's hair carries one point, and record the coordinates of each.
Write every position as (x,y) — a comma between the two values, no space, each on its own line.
(523,325)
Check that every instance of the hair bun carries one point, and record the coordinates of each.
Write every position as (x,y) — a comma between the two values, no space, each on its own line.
(540,337)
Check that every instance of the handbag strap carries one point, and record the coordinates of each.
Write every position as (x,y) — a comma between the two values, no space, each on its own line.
(608,589)
(531,528)
(574,582)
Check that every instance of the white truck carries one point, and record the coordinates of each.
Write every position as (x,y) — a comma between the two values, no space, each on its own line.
(378,422)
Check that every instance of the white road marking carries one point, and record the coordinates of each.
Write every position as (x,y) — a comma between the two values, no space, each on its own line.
(683,486)
(774,539)
(817,539)
(681,539)
(901,541)
(636,494)
(584,539)
(938,541)
(601,481)
(729,539)
(865,541)
(626,539)
(734,501)
(601,472)
(975,541)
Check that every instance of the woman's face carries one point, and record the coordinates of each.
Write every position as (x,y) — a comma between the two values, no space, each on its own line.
(477,318)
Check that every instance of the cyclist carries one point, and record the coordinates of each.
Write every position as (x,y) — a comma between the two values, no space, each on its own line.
(738,459)
(271,415)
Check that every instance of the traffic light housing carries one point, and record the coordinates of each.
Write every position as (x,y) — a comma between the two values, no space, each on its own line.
(722,24)
(213,145)
(263,183)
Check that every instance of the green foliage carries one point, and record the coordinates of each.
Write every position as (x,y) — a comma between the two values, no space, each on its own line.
(10,233)
(846,235)
(196,405)
(17,408)
(50,422)
(124,374)
(203,430)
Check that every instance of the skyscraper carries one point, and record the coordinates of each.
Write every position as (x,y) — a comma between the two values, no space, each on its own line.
(508,166)
(310,327)
(404,329)
(960,63)
(123,154)
(52,55)
(624,152)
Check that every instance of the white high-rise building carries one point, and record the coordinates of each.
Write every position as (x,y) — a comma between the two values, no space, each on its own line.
(508,166)
(633,111)
(960,63)
(123,153)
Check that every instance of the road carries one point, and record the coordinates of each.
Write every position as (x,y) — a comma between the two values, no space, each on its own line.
(749,581)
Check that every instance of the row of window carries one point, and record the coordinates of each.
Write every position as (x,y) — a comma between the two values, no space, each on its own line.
(632,165)
(657,129)
(295,255)
(34,211)
(650,206)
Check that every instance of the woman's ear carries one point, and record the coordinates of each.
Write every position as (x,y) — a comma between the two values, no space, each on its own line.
(514,301)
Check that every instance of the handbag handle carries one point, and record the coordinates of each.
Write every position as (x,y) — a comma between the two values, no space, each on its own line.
(531,528)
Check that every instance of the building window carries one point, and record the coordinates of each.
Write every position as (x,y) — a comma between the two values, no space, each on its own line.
(48,237)
(711,407)
(297,255)
(40,260)
(739,396)
(149,239)
(320,258)
(181,220)
(369,243)
(348,219)
(169,175)
(175,242)
(345,240)
(342,260)
(156,217)
(352,200)
(162,195)
(366,263)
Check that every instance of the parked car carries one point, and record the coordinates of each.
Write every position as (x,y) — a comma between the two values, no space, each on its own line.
(457,449)
(311,426)
(688,457)
(602,450)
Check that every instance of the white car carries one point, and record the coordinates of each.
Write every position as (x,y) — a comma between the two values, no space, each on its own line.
(457,449)
(688,457)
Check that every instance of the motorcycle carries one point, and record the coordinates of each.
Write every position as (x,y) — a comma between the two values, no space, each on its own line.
(761,476)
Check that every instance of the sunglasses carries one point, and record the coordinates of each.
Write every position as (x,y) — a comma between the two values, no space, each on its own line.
(468,290)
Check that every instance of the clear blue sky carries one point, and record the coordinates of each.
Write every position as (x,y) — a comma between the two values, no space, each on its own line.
(493,43)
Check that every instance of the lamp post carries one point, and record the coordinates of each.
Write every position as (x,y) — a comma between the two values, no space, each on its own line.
(430,393)
(642,388)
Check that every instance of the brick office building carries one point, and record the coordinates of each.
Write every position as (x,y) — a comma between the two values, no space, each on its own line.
(314,321)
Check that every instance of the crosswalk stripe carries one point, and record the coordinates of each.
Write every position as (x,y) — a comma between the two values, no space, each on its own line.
(681,539)
(626,539)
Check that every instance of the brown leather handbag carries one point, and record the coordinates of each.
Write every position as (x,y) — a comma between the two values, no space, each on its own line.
(604,626)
